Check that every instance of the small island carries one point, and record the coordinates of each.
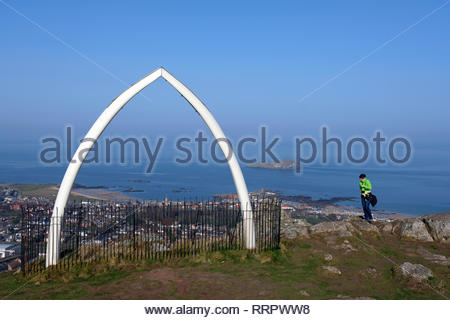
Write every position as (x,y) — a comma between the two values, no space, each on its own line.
(274,165)
(132,190)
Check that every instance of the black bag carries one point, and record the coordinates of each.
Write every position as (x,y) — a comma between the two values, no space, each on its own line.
(373,200)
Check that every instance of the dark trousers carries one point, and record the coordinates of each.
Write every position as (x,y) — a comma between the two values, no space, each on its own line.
(366,208)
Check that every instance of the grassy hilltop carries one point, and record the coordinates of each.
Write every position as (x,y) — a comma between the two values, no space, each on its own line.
(366,265)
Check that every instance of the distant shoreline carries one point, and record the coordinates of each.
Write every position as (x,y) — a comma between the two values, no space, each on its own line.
(79,192)
(102,193)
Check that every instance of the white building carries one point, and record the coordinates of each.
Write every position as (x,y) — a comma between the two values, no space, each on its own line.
(9,249)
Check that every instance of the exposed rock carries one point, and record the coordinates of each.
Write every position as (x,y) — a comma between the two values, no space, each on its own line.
(304,293)
(433,257)
(439,226)
(293,228)
(301,223)
(303,232)
(327,257)
(427,228)
(364,226)
(289,233)
(387,227)
(342,228)
(415,271)
(414,229)
(344,234)
(332,270)
(292,232)
(346,246)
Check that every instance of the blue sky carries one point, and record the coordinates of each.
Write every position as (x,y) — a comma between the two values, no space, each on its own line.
(250,63)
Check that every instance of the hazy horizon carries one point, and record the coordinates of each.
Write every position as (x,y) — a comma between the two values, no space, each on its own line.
(356,68)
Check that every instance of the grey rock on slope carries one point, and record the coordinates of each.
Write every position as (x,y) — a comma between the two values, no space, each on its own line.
(415,271)
(414,229)
(343,228)
(439,226)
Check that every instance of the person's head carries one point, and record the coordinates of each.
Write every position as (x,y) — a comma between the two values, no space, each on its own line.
(362,176)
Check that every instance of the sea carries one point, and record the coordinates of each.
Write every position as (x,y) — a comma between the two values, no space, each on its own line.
(419,187)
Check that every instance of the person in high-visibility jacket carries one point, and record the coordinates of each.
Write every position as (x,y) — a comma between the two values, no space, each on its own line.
(366,188)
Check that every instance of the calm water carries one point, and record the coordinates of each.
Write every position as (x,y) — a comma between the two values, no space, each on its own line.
(415,189)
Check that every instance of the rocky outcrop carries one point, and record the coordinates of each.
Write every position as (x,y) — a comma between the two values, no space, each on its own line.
(293,228)
(389,227)
(428,228)
(439,226)
(434,257)
(415,271)
(342,228)
(363,226)
(414,229)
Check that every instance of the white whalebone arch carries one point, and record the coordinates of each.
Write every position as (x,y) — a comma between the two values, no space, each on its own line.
(99,126)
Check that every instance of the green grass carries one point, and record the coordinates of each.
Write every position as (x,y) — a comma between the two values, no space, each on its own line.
(238,274)
(389,251)
(44,190)
(25,188)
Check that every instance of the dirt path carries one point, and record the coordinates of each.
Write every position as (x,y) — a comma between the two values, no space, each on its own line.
(184,283)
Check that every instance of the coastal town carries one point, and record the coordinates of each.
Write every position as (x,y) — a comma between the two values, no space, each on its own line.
(10,228)
(14,198)
(103,220)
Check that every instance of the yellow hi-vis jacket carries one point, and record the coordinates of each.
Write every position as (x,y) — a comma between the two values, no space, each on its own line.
(366,187)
